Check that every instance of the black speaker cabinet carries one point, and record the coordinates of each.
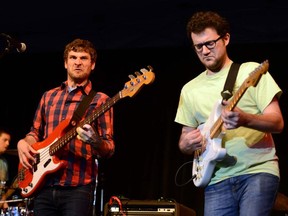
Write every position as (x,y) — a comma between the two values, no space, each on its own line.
(160,207)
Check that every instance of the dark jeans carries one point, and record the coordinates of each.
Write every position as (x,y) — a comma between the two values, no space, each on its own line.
(64,201)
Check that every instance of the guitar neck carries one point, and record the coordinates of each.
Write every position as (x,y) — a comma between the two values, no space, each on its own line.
(216,129)
(88,120)
(131,88)
(251,80)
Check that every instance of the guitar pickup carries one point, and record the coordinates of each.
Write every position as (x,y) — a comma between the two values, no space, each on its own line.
(47,162)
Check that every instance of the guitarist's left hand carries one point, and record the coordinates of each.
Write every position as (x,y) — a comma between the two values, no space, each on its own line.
(232,119)
(88,135)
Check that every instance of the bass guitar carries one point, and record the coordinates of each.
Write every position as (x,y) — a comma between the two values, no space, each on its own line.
(47,162)
(205,158)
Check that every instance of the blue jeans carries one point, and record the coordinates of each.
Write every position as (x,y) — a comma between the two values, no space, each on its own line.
(245,195)
(64,201)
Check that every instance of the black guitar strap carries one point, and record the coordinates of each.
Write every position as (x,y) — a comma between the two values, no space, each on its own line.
(77,115)
(230,81)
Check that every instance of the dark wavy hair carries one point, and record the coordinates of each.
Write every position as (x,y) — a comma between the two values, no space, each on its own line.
(201,20)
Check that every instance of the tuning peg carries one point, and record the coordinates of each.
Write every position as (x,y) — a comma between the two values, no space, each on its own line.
(131,76)
(138,73)
(143,70)
(150,67)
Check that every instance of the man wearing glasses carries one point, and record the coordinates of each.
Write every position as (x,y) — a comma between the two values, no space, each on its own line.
(249,185)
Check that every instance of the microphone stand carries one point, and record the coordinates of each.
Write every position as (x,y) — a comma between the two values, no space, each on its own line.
(5,52)
(95,191)
(99,192)
(8,48)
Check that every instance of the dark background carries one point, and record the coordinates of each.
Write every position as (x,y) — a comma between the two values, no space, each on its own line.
(130,35)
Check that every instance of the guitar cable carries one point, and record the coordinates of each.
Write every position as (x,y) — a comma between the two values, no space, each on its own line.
(114,199)
(177,173)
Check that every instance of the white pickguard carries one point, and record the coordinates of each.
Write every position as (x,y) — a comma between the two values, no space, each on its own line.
(44,166)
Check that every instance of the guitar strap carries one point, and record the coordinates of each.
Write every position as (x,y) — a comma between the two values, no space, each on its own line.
(77,115)
(230,81)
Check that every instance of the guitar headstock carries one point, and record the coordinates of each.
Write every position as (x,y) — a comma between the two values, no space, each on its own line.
(255,75)
(136,83)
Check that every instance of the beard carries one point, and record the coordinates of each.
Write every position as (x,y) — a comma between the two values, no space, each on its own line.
(213,64)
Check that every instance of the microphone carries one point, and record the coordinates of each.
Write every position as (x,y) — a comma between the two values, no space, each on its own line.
(20,47)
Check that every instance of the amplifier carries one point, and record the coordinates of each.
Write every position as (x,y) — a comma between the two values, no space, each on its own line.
(119,207)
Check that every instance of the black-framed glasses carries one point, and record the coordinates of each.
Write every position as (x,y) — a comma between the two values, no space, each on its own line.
(209,44)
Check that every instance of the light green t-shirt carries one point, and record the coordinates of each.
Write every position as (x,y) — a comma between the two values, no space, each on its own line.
(254,150)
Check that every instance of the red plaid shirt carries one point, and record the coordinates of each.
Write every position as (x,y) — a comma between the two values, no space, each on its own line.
(58,104)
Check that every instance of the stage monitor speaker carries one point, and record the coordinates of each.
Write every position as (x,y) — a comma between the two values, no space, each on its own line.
(160,207)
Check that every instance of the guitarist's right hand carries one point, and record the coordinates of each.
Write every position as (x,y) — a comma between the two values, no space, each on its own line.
(26,152)
(191,139)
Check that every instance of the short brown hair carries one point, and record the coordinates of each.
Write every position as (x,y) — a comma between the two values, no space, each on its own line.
(78,45)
